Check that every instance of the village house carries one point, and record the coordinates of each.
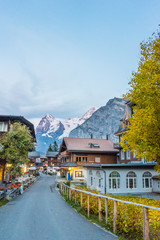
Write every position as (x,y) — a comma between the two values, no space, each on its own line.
(129,174)
(77,152)
(6,122)
(128,156)
(35,162)
(52,159)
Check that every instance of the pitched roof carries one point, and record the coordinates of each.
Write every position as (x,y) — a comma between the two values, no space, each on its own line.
(34,154)
(21,119)
(89,145)
(51,154)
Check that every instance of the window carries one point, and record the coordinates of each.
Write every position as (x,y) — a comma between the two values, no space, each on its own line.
(78,173)
(91,180)
(81,159)
(3,126)
(98,175)
(131,180)
(97,159)
(143,159)
(114,180)
(158,184)
(147,180)
(128,154)
(134,155)
(90,172)
(99,183)
(122,154)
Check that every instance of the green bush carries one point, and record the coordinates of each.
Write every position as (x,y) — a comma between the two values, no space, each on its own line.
(68,183)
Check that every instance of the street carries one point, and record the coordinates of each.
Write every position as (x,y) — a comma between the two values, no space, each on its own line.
(42,214)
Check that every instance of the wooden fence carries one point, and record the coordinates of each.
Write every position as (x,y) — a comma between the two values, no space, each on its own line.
(64,189)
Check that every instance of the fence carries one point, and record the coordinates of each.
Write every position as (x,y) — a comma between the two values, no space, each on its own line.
(64,189)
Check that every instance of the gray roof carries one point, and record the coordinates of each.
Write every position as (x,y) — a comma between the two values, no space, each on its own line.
(51,154)
(34,154)
(127,165)
(68,164)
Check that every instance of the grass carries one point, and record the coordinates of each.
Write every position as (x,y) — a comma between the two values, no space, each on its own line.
(93,218)
(3,202)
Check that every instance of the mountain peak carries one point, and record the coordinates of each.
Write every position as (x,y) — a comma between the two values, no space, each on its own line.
(48,116)
(89,113)
(51,129)
(116,100)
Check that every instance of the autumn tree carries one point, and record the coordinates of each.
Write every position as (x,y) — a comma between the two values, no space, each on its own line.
(143,138)
(15,146)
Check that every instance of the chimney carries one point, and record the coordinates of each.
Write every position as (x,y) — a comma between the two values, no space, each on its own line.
(107,137)
(91,135)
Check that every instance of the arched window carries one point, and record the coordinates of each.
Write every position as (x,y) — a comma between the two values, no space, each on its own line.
(131,180)
(90,172)
(147,180)
(114,180)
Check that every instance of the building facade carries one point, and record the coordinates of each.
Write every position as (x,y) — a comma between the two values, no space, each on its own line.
(77,152)
(121,178)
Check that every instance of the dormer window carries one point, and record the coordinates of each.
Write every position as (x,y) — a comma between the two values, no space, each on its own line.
(3,126)
(94,145)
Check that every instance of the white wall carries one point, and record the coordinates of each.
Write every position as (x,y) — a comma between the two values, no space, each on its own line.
(123,172)
(84,172)
(156,185)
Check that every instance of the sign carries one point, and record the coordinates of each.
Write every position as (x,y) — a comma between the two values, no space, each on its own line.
(38,160)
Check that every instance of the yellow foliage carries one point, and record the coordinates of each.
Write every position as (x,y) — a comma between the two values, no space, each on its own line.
(130,217)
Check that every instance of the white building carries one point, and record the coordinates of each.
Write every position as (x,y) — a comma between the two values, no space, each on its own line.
(156,184)
(121,178)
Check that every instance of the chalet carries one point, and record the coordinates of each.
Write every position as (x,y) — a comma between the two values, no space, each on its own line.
(52,158)
(6,122)
(77,152)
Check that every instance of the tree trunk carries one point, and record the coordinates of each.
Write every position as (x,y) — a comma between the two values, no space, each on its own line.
(3,171)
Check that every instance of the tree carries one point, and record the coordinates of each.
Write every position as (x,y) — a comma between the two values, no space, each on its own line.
(15,146)
(143,138)
(55,147)
(50,149)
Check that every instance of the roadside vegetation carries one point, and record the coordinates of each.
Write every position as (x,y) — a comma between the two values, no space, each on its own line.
(3,202)
(130,217)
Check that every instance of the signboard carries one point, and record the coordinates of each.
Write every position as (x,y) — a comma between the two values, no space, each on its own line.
(38,160)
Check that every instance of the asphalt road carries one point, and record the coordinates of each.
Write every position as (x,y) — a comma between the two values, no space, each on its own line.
(42,214)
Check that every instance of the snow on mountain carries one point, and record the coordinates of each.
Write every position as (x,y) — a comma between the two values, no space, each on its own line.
(47,125)
(51,129)
(72,123)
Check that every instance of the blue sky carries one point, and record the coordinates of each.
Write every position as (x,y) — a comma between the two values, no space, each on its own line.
(63,57)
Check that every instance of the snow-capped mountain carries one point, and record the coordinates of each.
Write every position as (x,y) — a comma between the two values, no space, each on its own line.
(51,129)
(72,123)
